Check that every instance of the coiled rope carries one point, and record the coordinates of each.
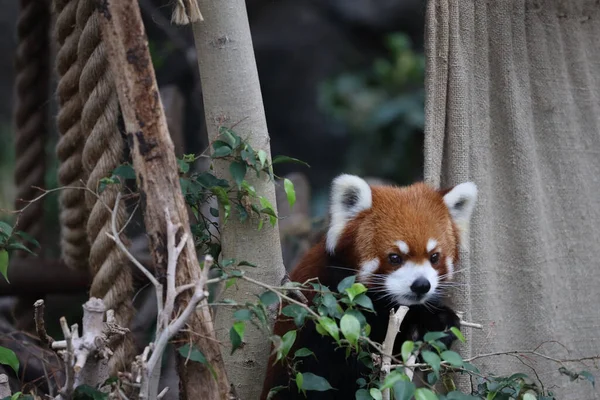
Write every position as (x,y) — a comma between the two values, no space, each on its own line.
(31,126)
(73,214)
(102,153)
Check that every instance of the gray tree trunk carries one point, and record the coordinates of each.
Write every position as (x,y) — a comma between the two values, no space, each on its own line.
(231,91)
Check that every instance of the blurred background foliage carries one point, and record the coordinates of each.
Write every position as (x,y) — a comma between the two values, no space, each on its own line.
(382,108)
(342,85)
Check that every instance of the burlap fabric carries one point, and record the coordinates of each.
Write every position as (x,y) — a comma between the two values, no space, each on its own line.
(513,103)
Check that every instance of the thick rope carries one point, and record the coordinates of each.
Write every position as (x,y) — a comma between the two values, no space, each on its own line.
(102,153)
(73,215)
(31,111)
(32,67)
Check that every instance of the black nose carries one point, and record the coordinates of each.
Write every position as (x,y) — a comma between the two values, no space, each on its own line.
(420,286)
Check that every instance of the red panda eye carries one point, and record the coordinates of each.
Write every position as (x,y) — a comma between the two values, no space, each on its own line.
(434,258)
(395,258)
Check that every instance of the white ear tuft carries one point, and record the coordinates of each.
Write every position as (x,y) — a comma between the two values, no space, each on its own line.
(460,201)
(349,196)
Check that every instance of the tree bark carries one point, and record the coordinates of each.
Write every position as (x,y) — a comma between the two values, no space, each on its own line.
(232,96)
(158,182)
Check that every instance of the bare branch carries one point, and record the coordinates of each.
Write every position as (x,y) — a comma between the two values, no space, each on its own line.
(388,344)
(40,325)
(67,390)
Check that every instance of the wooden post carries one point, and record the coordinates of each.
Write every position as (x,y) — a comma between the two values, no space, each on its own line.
(158,181)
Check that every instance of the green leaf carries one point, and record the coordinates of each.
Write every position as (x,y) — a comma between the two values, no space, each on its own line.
(230,137)
(303,352)
(407,348)
(238,172)
(331,305)
(262,157)
(124,171)
(240,328)
(425,394)
(221,151)
(5,228)
(529,396)
(268,209)
(208,181)
(458,334)
(330,327)
(392,378)
(376,394)
(274,391)
(19,246)
(268,298)
(587,375)
(432,378)
(4,264)
(362,394)
(290,192)
(404,390)
(355,290)
(287,341)
(284,159)
(246,264)
(346,283)
(249,157)
(28,238)
(433,336)
(235,336)
(432,359)
(297,312)
(230,282)
(89,393)
(183,166)
(470,367)
(8,357)
(350,327)
(196,355)
(242,315)
(364,301)
(299,380)
(456,395)
(314,382)
(452,358)
(222,199)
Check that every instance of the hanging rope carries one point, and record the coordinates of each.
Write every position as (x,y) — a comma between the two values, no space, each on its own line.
(103,152)
(73,215)
(31,112)
(31,127)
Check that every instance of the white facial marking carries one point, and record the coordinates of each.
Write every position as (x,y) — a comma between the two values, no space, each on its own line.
(450,266)
(403,246)
(349,196)
(431,244)
(367,269)
(398,283)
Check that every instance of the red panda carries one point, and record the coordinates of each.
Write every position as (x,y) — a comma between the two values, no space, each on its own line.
(402,243)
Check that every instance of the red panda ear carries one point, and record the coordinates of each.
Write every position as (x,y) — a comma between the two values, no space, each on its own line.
(349,196)
(460,201)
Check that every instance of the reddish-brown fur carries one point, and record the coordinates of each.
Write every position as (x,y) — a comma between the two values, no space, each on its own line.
(413,214)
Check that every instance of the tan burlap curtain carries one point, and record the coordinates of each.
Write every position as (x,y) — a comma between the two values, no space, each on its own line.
(513,103)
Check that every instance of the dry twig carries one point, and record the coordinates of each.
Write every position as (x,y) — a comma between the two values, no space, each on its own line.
(40,325)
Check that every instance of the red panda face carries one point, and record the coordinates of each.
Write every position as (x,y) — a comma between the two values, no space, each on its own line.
(404,240)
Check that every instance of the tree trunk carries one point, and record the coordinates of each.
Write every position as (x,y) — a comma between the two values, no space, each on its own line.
(158,181)
(232,96)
